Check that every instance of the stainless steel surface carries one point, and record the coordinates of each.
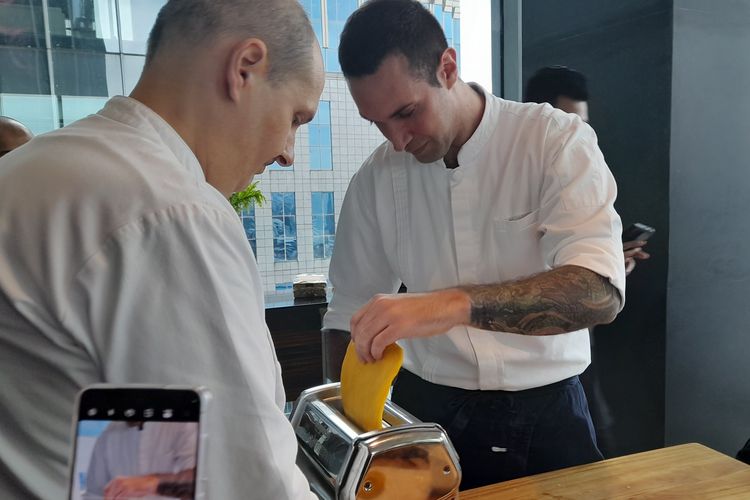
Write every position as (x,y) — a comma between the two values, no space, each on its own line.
(405,459)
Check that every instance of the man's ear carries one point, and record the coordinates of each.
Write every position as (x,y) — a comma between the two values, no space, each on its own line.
(248,60)
(448,68)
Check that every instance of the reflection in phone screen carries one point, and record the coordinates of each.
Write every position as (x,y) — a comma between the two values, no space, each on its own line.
(152,459)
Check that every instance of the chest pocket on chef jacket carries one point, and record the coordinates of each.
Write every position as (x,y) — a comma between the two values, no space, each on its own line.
(518,248)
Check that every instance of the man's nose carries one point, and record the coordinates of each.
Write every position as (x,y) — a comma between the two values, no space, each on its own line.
(286,158)
(398,135)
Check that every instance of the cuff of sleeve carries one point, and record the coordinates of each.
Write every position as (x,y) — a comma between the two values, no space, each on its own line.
(603,267)
(340,312)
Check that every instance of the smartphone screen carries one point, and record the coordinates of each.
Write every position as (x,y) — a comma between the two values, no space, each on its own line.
(136,443)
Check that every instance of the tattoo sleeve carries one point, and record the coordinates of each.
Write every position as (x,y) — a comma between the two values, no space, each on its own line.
(561,300)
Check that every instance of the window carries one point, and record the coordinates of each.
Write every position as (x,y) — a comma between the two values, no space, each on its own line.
(48,86)
(450,25)
(248,222)
(131,71)
(338,12)
(320,138)
(22,24)
(25,70)
(136,19)
(83,26)
(38,112)
(323,224)
(79,73)
(314,12)
(75,108)
(283,209)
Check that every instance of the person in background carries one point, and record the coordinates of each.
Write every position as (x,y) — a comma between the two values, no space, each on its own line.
(12,134)
(567,89)
(498,218)
(122,261)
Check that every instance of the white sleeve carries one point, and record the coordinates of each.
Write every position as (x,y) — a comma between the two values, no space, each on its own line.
(359,266)
(579,223)
(97,475)
(184,446)
(176,299)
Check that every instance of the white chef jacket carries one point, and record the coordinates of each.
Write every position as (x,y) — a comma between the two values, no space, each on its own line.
(153,448)
(532,192)
(119,263)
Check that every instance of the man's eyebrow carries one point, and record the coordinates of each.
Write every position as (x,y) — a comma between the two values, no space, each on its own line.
(393,115)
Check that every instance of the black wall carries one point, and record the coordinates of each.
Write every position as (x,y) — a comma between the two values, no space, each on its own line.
(625,50)
(708,336)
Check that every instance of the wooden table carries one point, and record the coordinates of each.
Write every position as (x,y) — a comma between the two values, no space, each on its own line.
(678,472)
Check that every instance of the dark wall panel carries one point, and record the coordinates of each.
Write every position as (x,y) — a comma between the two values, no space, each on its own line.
(708,336)
(624,48)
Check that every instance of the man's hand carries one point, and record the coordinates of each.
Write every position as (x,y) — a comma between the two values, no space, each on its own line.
(633,251)
(388,318)
(124,487)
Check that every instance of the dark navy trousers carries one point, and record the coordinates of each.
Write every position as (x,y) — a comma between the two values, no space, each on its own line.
(502,435)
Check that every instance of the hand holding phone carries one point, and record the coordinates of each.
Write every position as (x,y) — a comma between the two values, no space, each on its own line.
(637,232)
(633,238)
(135,441)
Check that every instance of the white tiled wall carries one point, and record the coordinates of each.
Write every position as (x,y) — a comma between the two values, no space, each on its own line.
(353,139)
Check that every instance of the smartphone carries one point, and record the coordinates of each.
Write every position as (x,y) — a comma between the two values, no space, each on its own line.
(134,441)
(637,232)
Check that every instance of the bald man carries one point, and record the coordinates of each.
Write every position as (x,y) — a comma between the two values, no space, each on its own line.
(12,134)
(121,260)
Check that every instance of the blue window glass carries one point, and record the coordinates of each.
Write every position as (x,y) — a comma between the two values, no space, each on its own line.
(22,24)
(290,248)
(75,108)
(328,249)
(248,222)
(338,12)
(314,12)
(278,228)
(277,203)
(136,19)
(79,73)
(321,154)
(284,220)
(24,70)
(289,204)
(323,224)
(83,25)
(290,227)
(131,71)
(318,224)
(38,112)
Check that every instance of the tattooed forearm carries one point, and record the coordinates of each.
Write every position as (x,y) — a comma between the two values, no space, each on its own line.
(562,300)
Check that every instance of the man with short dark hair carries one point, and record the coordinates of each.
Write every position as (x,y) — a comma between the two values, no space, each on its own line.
(122,261)
(562,87)
(499,219)
(12,134)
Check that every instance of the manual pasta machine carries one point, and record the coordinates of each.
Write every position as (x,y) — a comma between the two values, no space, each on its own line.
(406,459)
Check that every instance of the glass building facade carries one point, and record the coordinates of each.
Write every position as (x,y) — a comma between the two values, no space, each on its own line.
(62,59)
